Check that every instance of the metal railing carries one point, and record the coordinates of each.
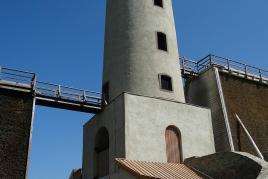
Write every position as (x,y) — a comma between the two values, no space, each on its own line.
(223,63)
(27,80)
(66,92)
(17,77)
(188,65)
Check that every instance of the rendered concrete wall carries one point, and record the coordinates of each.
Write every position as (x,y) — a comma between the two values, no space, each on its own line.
(132,60)
(15,132)
(203,91)
(137,125)
(146,122)
(112,118)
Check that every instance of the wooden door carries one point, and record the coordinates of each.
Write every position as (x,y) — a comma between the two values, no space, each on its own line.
(173,145)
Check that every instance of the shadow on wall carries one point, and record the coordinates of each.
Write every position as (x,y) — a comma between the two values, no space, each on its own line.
(265,155)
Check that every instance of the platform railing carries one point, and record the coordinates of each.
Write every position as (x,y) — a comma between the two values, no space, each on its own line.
(66,92)
(223,63)
(16,77)
(28,80)
(188,65)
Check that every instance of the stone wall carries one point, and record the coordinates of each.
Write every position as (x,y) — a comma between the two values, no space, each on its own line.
(15,132)
(249,100)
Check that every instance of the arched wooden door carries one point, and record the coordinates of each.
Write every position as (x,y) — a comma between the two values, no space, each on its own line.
(173,145)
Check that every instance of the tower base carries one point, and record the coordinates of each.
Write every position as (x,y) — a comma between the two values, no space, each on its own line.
(136,127)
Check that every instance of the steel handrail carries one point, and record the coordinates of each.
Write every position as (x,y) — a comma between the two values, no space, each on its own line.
(228,64)
(49,90)
(18,75)
(10,69)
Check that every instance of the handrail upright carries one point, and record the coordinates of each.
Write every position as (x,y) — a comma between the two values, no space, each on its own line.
(0,72)
(33,82)
(228,65)
(260,75)
(210,59)
(246,69)
(84,96)
(59,91)
(183,63)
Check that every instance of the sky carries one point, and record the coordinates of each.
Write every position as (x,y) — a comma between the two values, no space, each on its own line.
(62,41)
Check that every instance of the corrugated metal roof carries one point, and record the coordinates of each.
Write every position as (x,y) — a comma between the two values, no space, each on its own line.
(157,170)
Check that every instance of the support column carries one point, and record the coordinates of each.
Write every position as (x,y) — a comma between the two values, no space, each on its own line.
(16,114)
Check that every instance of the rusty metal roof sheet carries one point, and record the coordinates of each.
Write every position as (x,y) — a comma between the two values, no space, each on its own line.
(157,170)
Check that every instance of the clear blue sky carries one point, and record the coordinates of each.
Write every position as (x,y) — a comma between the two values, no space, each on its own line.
(62,41)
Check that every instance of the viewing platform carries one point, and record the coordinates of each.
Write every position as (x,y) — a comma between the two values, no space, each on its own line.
(191,68)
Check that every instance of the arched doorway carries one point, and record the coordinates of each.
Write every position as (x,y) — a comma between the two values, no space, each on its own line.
(101,158)
(173,145)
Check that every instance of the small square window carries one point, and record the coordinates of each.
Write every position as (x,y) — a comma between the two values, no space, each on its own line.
(162,41)
(166,82)
(159,3)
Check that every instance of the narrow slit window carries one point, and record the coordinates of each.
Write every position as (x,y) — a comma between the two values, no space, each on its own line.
(162,41)
(159,3)
(166,82)
(105,93)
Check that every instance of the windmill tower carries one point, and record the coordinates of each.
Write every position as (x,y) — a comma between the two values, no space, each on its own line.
(145,117)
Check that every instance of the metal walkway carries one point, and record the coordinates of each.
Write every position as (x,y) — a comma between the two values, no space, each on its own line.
(65,97)
(192,68)
(49,94)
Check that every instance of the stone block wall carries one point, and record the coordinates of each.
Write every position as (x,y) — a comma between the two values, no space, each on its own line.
(15,131)
(249,99)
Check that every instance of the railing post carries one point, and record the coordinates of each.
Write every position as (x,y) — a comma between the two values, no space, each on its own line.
(183,64)
(210,59)
(246,70)
(260,75)
(84,96)
(228,65)
(0,72)
(33,82)
(59,91)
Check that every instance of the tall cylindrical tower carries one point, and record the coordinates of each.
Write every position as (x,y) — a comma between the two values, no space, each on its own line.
(141,53)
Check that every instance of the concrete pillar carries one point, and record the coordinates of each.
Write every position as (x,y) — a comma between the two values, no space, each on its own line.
(16,110)
(132,60)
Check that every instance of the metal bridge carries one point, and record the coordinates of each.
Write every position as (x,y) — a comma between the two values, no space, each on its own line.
(65,97)
(49,94)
